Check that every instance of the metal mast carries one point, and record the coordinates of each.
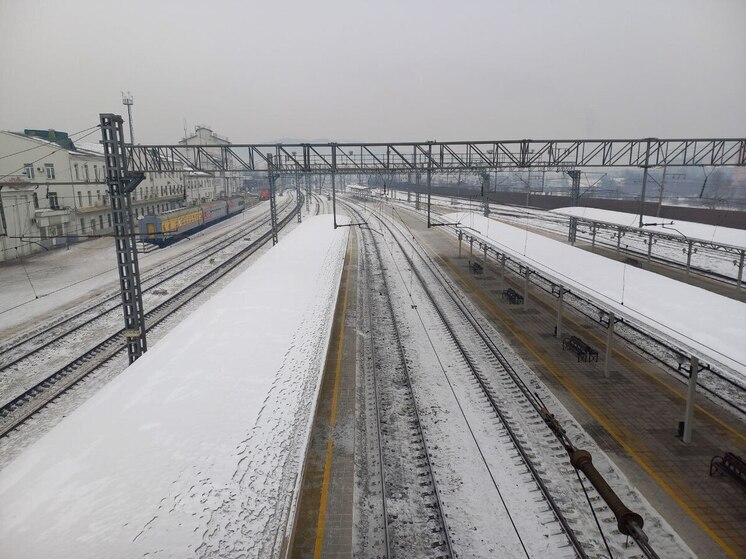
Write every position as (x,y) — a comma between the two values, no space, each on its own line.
(121,184)
(128,102)
(272,175)
(574,197)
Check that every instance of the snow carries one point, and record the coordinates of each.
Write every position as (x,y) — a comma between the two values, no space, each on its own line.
(711,326)
(38,286)
(196,449)
(685,229)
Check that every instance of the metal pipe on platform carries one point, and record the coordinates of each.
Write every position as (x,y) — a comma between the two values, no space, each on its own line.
(688,257)
(609,339)
(593,237)
(650,245)
(690,396)
(629,523)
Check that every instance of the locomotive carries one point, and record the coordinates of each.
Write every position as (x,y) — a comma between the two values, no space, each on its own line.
(168,227)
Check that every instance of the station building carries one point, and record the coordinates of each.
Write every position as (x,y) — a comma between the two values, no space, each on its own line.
(205,186)
(53,192)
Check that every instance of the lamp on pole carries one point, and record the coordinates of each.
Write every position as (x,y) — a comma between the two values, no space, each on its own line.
(128,102)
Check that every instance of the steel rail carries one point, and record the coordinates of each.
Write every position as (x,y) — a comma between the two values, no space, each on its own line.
(155,317)
(483,383)
(659,342)
(186,262)
(418,421)
(387,539)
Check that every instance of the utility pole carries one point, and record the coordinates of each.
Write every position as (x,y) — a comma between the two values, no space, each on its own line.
(121,184)
(272,175)
(660,196)
(128,102)
(646,166)
(574,197)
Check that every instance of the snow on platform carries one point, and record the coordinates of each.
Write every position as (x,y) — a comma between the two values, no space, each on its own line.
(197,448)
(678,228)
(709,325)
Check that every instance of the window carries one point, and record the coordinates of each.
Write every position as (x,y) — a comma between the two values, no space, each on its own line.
(28,169)
(93,225)
(53,203)
(95,172)
(77,174)
(80,199)
(90,198)
(36,201)
(82,226)
(85,168)
(49,168)
(101,221)
(98,195)
(108,216)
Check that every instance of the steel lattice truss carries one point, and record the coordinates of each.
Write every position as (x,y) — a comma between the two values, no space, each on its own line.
(557,155)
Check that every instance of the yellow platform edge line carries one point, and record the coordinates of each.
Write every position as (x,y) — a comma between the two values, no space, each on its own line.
(332,414)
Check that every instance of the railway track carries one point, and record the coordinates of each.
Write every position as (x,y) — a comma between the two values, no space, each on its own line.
(720,387)
(495,453)
(521,405)
(413,521)
(30,401)
(27,345)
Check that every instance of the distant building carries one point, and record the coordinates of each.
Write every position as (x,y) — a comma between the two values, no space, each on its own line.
(53,192)
(202,185)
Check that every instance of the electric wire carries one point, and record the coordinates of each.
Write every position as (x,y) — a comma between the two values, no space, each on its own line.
(35,138)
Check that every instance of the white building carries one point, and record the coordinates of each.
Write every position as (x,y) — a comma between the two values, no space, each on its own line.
(205,186)
(53,192)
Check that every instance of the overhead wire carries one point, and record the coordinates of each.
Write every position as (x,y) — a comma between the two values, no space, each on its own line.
(70,136)
(60,148)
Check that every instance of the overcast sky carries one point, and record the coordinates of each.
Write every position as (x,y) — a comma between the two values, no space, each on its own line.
(378,70)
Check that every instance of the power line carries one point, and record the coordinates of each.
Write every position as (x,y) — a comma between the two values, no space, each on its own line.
(92,130)
(43,145)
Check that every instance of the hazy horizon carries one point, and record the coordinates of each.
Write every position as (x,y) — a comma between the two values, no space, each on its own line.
(383,71)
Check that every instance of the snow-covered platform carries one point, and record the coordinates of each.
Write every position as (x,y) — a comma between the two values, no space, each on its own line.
(708,325)
(197,448)
(685,229)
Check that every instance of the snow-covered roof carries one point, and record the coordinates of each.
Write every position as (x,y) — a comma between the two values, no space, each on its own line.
(91,147)
(674,227)
(709,325)
(41,141)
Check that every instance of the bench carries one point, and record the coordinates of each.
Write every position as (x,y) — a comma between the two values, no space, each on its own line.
(731,465)
(476,268)
(633,262)
(512,296)
(581,349)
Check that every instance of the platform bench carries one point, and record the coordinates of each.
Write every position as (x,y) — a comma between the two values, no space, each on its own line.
(581,349)
(476,268)
(731,465)
(633,262)
(512,296)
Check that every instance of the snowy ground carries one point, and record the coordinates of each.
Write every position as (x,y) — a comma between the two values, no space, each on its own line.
(35,287)
(662,304)
(196,449)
